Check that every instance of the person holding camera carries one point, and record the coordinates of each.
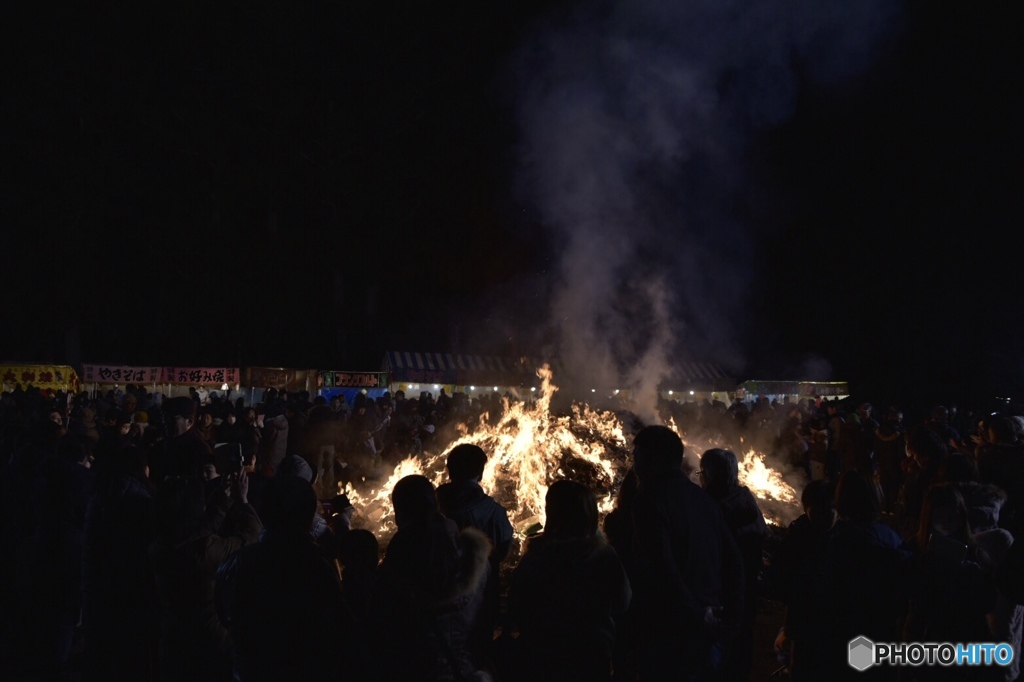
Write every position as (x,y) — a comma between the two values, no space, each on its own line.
(193,536)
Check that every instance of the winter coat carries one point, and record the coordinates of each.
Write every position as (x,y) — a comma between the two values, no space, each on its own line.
(428,595)
(564,597)
(686,563)
(274,445)
(282,603)
(745,520)
(687,559)
(193,641)
(865,591)
(119,612)
(465,503)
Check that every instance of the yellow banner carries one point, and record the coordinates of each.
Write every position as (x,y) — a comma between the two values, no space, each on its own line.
(55,377)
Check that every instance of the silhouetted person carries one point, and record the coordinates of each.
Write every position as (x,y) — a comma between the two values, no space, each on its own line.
(1001,463)
(192,540)
(866,574)
(183,452)
(359,555)
(281,600)
(119,602)
(689,588)
(618,529)
(925,453)
(720,477)
(566,591)
(274,440)
(429,590)
(797,576)
(463,501)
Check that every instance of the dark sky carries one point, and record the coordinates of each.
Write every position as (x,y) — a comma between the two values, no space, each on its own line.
(789,191)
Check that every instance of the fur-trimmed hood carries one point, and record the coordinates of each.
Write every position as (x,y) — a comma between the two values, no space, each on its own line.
(474,550)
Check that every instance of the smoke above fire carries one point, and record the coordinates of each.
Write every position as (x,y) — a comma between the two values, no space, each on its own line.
(634,120)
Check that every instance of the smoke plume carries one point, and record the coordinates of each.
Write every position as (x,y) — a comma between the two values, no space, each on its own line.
(634,120)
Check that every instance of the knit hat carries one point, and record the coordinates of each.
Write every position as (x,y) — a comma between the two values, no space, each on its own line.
(293,465)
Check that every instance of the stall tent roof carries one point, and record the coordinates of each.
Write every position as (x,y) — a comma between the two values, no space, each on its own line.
(450,368)
(697,372)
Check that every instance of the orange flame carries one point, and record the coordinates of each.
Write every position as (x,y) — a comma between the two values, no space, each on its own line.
(528,449)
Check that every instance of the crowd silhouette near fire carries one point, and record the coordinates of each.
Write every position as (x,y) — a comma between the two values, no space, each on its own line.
(204,538)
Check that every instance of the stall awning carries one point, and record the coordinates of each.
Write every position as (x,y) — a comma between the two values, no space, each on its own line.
(698,372)
(460,370)
(805,389)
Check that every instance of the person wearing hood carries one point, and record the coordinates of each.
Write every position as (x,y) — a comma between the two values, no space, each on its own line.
(274,444)
(429,590)
(297,467)
(720,477)
(281,600)
(567,590)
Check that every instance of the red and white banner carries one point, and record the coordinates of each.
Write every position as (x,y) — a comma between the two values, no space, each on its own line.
(119,374)
(200,375)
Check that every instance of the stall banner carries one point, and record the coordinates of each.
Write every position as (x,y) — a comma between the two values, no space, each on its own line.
(120,374)
(353,380)
(280,378)
(56,377)
(200,375)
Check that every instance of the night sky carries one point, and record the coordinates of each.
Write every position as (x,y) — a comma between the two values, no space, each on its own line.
(787,190)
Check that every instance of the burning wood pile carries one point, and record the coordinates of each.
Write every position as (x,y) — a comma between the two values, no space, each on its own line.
(529,448)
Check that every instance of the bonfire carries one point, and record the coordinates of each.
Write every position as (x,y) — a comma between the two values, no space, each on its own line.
(529,448)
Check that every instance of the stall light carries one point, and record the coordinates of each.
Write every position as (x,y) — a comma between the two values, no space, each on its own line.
(436,387)
(495,388)
(691,392)
(616,391)
(472,388)
(670,392)
(593,390)
(224,387)
(533,389)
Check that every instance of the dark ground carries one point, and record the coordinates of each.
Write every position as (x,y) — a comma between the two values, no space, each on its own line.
(769,619)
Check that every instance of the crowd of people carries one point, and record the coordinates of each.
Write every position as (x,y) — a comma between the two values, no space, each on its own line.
(199,538)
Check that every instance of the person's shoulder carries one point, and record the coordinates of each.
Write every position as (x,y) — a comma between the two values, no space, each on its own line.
(494,506)
(244,559)
(446,489)
(603,553)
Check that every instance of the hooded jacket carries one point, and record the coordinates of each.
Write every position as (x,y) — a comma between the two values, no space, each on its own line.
(429,592)
(274,445)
